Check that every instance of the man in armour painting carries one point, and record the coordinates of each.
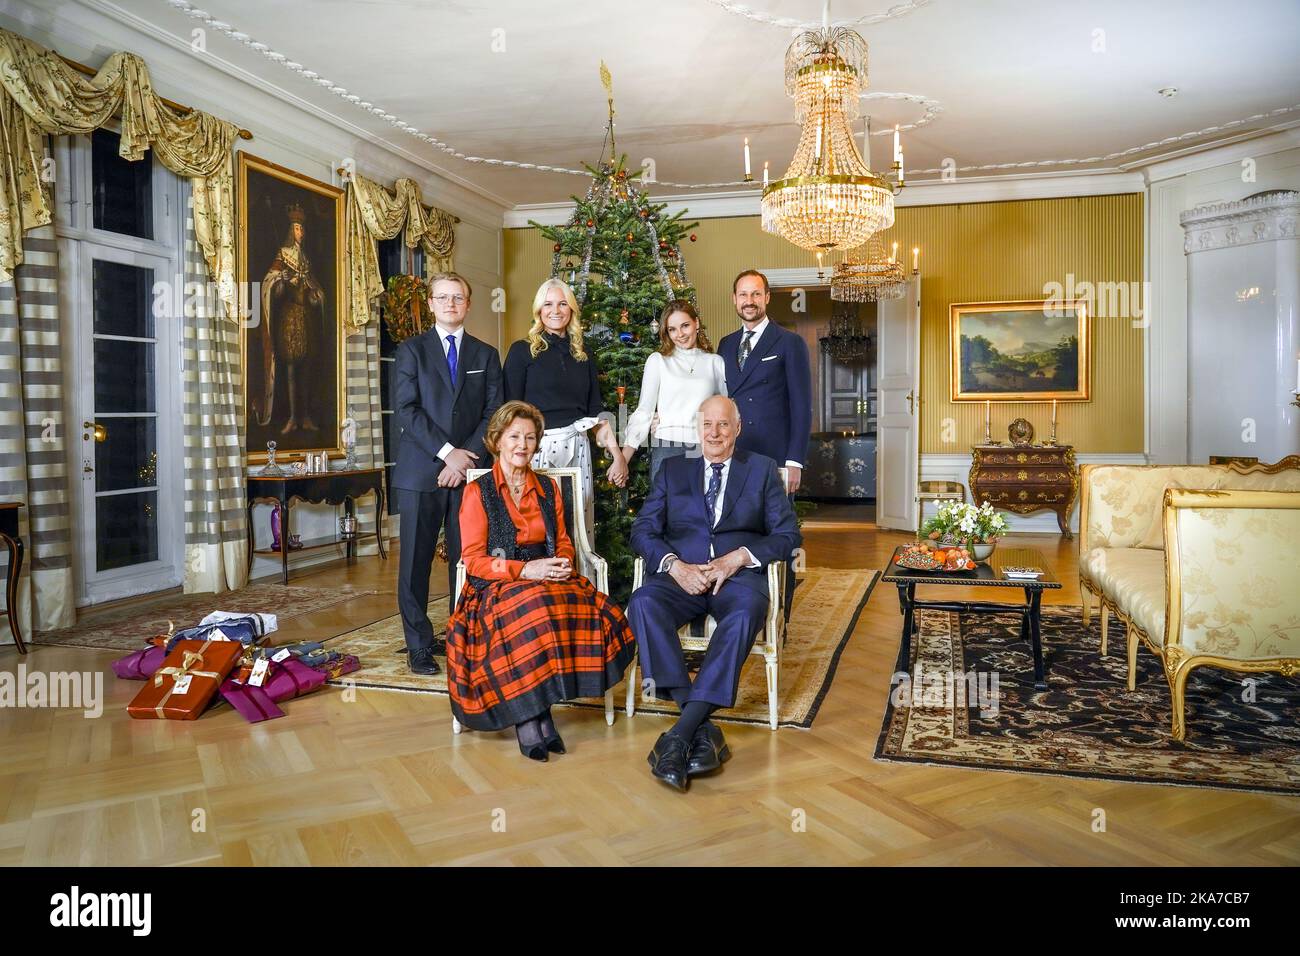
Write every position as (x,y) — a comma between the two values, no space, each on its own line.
(293,307)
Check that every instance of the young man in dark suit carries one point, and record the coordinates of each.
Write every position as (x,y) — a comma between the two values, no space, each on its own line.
(769,378)
(446,385)
(709,527)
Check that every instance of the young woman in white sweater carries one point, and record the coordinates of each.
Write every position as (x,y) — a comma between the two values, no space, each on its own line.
(676,381)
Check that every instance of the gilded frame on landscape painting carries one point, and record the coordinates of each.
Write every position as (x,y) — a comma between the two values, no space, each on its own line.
(1025,351)
(290,269)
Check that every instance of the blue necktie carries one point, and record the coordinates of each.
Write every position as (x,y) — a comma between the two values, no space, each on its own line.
(451,357)
(715,488)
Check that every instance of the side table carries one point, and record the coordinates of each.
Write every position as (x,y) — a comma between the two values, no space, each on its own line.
(11,539)
(334,488)
(1026,478)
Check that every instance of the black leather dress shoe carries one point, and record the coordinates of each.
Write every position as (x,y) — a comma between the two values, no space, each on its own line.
(668,760)
(422,662)
(708,750)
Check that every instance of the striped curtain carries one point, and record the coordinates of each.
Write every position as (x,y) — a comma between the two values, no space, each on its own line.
(215,520)
(33,435)
(361,372)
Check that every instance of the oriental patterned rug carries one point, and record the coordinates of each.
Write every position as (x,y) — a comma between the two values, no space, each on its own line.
(1240,736)
(827,604)
(127,628)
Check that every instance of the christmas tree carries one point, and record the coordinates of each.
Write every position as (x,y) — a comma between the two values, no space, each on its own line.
(620,253)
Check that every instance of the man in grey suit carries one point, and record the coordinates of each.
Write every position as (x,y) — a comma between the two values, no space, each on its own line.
(446,385)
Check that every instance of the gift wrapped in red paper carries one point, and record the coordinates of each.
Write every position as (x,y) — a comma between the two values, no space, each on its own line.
(188,680)
(285,679)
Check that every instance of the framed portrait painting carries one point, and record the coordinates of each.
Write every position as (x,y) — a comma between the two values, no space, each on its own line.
(290,266)
(1026,351)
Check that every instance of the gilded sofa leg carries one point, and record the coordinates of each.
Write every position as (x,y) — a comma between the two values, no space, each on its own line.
(1105,624)
(1086,597)
(1177,668)
(1132,636)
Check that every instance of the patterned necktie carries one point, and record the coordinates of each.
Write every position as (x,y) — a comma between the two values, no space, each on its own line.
(715,488)
(451,357)
(744,349)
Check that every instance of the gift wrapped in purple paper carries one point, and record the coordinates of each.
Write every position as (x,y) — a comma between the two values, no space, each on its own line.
(285,680)
(141,664)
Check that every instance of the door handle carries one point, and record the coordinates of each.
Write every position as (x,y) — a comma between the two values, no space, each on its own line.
(99,432)
(911,399)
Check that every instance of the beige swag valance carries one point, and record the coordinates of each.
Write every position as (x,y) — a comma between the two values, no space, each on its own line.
(374,213)
(42,95)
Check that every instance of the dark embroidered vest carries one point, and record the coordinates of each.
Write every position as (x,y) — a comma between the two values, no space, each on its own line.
(502,541)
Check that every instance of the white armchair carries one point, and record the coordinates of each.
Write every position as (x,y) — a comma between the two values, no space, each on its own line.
(590,565)
(696,634)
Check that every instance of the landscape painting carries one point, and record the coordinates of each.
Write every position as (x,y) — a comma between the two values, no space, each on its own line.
(1019,351)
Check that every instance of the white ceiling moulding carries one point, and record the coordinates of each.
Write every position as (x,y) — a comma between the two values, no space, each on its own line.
(986,189)
(1287,137)
(483,197)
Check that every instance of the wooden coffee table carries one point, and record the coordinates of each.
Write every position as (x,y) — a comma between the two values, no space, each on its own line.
(986,575)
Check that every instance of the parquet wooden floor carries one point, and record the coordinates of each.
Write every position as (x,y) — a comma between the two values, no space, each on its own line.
(381,780)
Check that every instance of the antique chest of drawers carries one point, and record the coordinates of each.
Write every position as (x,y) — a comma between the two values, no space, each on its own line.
(1026,478)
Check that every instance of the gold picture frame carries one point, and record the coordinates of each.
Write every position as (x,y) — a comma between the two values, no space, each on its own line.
(1026,354)
(292,286)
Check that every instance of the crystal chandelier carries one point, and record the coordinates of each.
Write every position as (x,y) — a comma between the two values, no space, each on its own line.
(845,341)
(868,275)
(828,198)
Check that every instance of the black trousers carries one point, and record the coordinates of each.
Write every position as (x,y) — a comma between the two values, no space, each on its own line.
(423,515)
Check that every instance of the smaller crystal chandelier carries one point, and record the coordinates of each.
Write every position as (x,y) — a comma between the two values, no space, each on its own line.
(868,275)
(845,342)
(828,198)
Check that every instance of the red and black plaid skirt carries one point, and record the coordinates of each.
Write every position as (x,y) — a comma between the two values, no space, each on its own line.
(517,647)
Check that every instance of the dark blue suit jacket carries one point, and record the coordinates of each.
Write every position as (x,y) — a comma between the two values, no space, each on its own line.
(773,393)
(431,411)
(756,514)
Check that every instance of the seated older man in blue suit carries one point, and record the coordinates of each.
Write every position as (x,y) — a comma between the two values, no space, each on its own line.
(708,529)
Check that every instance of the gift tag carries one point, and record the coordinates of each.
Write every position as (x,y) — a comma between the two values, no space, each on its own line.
(217,634)
(182,685)
(282,655)
(258,676)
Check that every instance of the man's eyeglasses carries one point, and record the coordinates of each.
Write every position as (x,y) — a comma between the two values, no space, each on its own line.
(444,299)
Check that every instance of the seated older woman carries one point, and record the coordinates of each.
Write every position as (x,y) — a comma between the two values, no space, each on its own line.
(528,631)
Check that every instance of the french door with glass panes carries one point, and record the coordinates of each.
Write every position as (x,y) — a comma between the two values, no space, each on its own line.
(126,362)
(119,241)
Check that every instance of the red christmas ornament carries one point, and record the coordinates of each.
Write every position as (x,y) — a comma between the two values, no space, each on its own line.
(632,253)
(590,223)
(692,237)
(557,247)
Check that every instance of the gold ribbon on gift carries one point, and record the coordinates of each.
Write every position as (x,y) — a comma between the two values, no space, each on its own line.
(189,661)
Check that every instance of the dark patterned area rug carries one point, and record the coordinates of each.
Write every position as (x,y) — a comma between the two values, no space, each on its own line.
(1243,731)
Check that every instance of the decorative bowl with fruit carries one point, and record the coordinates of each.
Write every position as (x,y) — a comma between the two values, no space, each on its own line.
(924,556)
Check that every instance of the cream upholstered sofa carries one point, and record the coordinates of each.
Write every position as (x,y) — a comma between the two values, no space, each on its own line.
(1196,561)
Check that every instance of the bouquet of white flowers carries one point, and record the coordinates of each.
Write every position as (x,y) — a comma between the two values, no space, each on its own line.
(966,523)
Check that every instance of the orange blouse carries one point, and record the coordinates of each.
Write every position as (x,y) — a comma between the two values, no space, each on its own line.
(529,529)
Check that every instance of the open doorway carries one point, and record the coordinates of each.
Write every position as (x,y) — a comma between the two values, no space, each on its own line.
(840,468)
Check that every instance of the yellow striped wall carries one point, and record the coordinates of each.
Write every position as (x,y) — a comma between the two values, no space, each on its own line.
(977,252)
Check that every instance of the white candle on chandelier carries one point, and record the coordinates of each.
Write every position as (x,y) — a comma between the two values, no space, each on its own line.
(765,173)
(818,154)
(819,263)
(898,149)
(894,256)
(916,258)
(900,165)
(866,143)
(747,172)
